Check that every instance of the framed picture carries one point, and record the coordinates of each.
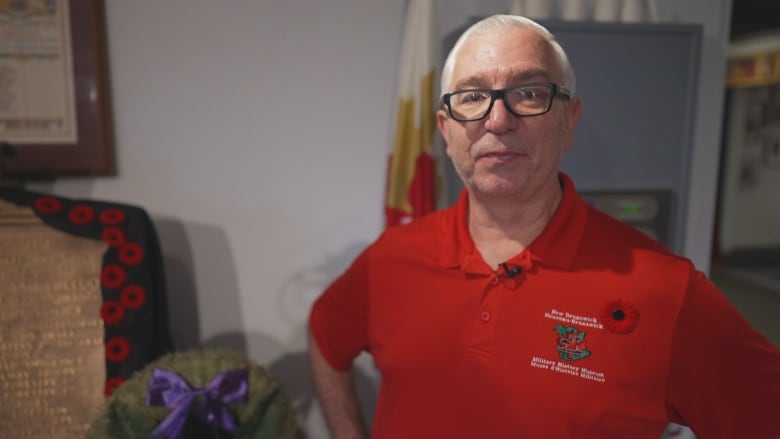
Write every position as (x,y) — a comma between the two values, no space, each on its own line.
(55,108)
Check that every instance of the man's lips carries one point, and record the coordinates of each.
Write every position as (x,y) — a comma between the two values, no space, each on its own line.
(498,155)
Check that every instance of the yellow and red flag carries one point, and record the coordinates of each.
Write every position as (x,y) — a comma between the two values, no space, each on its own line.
(413,177)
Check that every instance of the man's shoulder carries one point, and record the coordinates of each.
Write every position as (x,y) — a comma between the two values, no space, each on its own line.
(608,234)
(421,236)
(421,227)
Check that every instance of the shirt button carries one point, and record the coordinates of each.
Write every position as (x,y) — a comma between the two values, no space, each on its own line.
(485,316)
(495,280)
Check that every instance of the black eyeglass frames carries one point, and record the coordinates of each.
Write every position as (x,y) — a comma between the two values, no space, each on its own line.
(521,100)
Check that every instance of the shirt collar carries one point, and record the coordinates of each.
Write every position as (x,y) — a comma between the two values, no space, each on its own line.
(556,246)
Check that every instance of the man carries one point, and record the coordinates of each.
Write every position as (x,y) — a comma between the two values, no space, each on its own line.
(521,311)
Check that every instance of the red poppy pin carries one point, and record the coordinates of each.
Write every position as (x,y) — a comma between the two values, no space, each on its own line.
(81,214)
(132,296)
(113,236)
(112,384)
(112,217)
(112,312)
(131,253)
(112,276)
(619,316)
(117,349)
(48,205)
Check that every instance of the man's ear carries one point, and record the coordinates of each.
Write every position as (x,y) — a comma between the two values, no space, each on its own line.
(572,116)
(441,122)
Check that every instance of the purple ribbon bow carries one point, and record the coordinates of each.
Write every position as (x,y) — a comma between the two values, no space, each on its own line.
(168,389)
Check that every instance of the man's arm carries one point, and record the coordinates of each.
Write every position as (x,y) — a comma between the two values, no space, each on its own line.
(724,376)
(336,393)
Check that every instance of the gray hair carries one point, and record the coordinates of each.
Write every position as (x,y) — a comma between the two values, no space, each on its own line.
(496,24)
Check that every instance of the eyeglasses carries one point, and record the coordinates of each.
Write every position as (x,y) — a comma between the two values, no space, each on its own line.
(522,100)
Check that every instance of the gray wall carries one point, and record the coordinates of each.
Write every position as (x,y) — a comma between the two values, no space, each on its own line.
(255,133)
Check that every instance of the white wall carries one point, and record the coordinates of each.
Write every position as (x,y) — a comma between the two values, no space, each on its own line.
(255,133)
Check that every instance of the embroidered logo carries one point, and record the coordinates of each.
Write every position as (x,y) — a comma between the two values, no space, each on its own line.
(571,343)
(573,319)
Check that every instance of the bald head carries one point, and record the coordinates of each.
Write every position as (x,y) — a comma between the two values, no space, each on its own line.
(502,24)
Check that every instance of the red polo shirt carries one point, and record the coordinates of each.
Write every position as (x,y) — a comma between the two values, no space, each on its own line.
(603,333)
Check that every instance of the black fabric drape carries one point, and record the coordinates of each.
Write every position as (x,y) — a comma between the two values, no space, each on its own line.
(134,311)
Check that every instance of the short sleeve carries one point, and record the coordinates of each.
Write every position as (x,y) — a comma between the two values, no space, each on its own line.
(339,317)
(724,377)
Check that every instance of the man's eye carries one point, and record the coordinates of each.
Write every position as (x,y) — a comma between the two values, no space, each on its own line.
(530,94)
(527,94)
(470,98)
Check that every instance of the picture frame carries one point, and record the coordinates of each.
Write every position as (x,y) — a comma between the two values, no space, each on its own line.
(91,149)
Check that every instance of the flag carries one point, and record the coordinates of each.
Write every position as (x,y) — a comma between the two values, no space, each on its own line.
(413,177)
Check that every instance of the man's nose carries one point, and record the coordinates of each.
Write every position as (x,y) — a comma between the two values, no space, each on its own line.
(500,119)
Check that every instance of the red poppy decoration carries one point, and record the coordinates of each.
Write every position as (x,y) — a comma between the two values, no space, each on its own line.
(132,297)
(112,217)
(81,214)
(131,254)
(113,236)
(47,205)
(112,312)
(117,349)
(112,384)
(619,316)
(112,276)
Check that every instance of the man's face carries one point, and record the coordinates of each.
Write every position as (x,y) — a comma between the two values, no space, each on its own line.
(505,155)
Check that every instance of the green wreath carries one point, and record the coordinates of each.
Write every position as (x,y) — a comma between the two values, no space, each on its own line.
(265,412)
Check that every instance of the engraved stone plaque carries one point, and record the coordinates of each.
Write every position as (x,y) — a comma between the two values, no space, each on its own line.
(52,362)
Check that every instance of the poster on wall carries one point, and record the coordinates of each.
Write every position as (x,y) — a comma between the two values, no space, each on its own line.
(759,149)
(36,73)
(54,99)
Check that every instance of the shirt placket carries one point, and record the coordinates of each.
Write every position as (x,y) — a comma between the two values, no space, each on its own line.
(484,317)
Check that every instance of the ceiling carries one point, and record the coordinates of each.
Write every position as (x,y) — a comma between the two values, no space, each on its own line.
(748,16)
